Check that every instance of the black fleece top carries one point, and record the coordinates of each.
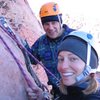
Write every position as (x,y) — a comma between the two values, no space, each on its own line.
(75,93)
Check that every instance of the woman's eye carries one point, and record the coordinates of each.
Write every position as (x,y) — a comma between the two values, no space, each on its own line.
(73,59)
(60,59)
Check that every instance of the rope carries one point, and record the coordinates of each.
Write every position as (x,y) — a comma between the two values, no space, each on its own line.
(9,31)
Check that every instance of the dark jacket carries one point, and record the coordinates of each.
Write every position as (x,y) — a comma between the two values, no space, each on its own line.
(45,50)
(75,93)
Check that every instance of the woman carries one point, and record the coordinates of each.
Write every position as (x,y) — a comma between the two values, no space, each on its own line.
(77,64)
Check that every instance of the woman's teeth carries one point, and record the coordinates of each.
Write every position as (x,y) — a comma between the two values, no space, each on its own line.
(67,74)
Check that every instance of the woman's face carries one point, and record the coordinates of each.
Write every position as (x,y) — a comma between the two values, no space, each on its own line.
(69,67)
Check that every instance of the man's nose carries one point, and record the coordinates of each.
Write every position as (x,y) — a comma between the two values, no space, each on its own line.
(50,26)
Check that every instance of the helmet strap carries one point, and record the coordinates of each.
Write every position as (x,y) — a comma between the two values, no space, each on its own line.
(87,68)
(88,54)
(59,21)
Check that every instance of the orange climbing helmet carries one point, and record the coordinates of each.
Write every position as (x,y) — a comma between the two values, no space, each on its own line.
(49,9)
(50,12)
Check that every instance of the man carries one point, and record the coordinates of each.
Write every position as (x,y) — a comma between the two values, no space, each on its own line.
(45,48)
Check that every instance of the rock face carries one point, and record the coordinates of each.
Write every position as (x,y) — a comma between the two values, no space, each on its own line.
(12,83)
(21,18)
(23,21)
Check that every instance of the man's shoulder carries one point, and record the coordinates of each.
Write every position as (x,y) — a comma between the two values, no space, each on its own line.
(67,29)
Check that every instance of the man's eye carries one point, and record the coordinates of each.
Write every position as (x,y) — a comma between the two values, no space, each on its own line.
(46,24)
(54,22)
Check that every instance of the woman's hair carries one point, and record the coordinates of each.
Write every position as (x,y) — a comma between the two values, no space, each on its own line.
(92,87)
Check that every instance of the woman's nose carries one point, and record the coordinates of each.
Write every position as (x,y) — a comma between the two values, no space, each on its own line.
(64,65)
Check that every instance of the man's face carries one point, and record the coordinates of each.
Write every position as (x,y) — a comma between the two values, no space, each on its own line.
(52,29)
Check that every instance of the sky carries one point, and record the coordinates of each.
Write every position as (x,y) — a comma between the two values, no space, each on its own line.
(88,8)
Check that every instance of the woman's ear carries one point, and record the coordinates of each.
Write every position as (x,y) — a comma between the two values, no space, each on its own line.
(92,75)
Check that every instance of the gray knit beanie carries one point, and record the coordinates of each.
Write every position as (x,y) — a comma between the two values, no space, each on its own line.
(78,47)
